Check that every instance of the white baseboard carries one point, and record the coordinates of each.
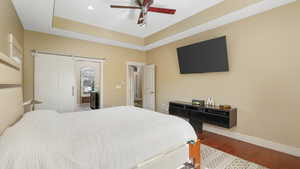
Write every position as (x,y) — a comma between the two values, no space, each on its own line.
(254,140)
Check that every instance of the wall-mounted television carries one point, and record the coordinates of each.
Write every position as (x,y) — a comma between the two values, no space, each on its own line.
(202,57)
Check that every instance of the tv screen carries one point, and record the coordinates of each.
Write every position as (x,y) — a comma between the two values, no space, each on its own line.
(207,56)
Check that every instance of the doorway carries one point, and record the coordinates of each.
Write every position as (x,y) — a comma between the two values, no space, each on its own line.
(140,85)
(88,80)
(135,75)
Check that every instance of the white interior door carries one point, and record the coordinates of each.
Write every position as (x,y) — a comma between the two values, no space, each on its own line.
(55,82)
(149,87)
(67,84)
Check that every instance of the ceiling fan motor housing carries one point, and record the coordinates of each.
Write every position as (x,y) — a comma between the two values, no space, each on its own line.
(145,6)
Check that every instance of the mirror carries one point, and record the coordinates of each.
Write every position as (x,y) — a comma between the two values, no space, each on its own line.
(87,78)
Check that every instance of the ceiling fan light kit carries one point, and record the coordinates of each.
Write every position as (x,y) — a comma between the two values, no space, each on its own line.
(145,7)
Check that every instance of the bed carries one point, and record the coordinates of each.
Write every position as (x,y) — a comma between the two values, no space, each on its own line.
(113,138)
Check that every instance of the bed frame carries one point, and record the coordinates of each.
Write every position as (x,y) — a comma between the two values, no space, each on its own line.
(185,156)
(194,154)
(12,109)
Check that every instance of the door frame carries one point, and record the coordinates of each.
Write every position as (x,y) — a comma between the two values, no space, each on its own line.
(101,64)
(140,64)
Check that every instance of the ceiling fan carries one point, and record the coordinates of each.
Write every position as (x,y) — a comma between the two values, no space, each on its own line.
(145,7)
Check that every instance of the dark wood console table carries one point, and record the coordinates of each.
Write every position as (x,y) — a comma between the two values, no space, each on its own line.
(196,114)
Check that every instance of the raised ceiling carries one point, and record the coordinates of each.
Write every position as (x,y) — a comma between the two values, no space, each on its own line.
(72,18)
(124,20)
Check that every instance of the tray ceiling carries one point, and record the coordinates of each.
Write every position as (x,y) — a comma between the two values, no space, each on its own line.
(97,19)
(124,20)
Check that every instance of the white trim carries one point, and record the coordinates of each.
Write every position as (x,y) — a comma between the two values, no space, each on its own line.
(15,49)
(140,64)
(243,13)
(136,63)
(88,59)
(254,140)
(223,20)
(248,11)
(14,43)
(101,64)
(102,85)
(81,36)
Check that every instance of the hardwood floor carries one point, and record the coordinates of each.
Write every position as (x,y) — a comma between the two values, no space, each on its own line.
(265,157)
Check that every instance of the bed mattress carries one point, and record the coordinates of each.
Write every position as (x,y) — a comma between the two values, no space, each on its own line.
(112,138)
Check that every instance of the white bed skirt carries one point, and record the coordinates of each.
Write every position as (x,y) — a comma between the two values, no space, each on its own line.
(174,159)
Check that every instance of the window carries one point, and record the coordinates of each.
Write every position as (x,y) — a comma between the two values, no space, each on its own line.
(16,51)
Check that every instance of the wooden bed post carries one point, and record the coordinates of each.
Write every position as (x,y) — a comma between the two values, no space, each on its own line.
(194,153)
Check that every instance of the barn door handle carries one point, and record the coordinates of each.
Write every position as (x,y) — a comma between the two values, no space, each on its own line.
(73,91)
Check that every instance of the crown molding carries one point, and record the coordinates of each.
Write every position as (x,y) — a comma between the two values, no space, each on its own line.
(81,36)
(74,26)
(243,13)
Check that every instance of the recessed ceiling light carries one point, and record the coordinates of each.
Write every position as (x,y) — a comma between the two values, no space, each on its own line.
(90,7)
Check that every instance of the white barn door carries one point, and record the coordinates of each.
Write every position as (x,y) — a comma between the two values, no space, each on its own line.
(54,82)
(149,87)
(67,84)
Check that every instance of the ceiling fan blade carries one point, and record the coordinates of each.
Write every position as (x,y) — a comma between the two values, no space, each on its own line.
(162,10)
(147,2)
(125,7)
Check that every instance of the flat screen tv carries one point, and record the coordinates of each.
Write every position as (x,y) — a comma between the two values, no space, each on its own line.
(207,56)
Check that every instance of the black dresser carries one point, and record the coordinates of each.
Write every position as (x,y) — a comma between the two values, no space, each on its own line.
(196,114)
(94,100)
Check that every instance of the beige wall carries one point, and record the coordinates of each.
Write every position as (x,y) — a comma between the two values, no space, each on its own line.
(9,23)
(114,67)
(263,82)
(96,31)
(214,12)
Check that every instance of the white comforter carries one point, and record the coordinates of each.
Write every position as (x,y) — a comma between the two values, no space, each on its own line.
(113,138)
